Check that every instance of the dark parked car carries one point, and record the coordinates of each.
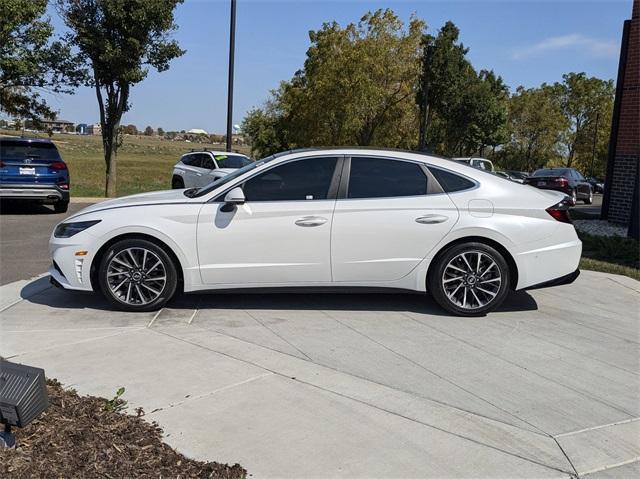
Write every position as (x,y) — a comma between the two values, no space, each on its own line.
(566,180)
(31,169)
(596,184)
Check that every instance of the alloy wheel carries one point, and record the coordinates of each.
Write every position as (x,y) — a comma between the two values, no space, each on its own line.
(136,276)
(472,279)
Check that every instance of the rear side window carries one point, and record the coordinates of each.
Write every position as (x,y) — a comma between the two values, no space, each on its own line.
(451,182)
(19,150)
(385,178)
(206,161)
(191,160)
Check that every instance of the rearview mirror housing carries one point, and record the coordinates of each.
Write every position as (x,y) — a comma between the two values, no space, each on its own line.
(232,199)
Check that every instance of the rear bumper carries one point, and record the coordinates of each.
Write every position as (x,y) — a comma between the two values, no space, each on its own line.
(44,193)
(566,279)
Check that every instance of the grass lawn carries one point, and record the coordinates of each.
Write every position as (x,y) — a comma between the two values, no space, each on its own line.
(144,163)
(611,255)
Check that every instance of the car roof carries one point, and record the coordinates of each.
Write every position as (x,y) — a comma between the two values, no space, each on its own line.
(215,152)
(23,139)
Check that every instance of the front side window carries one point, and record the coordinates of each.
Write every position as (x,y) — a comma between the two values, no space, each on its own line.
(385,178)
(300,180)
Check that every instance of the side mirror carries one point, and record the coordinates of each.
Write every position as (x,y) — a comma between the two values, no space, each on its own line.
(233,198)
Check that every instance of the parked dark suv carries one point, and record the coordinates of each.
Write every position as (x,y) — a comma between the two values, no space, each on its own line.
(31,169)
(566,180)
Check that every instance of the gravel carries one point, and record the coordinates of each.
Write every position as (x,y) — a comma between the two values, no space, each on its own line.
(599,228)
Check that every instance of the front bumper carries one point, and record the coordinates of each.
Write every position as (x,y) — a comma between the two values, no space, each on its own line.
(69,270)
(45,193)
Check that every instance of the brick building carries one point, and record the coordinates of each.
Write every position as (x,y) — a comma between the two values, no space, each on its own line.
(621,203)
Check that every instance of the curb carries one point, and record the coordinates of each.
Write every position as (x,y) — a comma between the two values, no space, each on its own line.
(86,199)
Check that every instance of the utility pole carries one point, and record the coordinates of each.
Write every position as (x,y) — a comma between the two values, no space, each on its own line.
(595,139)
(232,46)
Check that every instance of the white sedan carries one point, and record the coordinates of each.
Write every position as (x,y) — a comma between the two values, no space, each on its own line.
(352,218)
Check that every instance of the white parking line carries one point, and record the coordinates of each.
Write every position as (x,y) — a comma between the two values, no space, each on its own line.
(154,317)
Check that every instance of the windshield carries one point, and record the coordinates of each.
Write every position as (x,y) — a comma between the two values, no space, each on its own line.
(195,192)
(551,172)
(19,150)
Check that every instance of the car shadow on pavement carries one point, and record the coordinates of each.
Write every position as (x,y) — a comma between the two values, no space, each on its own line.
(249,300)
(9,207)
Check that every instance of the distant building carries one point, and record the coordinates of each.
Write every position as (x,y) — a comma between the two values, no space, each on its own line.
(621,203)
(197,131)
(94,129)
(57,125)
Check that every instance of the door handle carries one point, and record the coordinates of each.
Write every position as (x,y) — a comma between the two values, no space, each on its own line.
(431,219)
(308,221)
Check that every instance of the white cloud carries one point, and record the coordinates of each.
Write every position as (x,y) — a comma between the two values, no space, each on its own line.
(575,41)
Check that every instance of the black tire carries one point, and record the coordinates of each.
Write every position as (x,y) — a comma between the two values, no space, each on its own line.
(177,183)
(589,199)
(168,289)
(61,206)
(436,278)
(574,197)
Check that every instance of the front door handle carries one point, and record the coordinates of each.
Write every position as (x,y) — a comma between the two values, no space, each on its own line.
(308,221)
(431,219)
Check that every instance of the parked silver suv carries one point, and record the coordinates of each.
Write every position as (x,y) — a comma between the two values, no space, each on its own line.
(199,168)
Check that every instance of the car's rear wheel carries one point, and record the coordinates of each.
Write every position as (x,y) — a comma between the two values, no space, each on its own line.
(469,279)
(177,183)
(61,206)
(574,197)
(137,275)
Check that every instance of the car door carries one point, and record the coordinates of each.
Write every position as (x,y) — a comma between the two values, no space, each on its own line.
(389,215)
(191,170)
(281,235)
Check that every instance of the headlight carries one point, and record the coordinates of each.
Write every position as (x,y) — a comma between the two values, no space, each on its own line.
(67,230)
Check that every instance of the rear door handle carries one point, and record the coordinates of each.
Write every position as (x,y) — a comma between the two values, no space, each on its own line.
(308,221)
(431,219)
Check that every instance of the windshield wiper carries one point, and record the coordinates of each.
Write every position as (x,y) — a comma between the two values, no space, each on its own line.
(191,192)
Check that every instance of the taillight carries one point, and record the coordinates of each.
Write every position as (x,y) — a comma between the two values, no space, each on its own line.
(560,211)
(561,181)
(58,165)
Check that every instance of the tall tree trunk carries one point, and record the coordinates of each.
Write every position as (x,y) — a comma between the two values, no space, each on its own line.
(110,163)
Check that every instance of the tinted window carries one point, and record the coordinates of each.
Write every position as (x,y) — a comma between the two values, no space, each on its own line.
(451,182)
(206,161)
(552,172)
(299,180)
(191,160)
(232,161)
(381,178)
(19,150)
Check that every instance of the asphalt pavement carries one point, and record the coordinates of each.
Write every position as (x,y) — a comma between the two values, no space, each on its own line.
(24,238)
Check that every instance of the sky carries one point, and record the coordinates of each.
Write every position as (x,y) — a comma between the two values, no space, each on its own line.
(526,42)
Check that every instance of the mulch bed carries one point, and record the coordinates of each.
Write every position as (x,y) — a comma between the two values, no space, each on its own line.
(83,437)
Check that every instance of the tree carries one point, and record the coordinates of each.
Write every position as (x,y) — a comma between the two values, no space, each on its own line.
(160,132)
(535,125)
(581,100)
(131,129)
(356,88)
(118,41)
(30,63)
(148,131)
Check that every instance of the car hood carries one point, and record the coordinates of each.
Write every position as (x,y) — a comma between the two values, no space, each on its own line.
(153,198)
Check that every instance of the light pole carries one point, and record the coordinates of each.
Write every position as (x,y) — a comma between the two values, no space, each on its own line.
(232,46)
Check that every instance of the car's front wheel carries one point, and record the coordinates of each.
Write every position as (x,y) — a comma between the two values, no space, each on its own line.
(137,275)
(469,279)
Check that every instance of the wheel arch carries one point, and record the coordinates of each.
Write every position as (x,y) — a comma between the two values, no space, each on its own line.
(95,263)
(513,268)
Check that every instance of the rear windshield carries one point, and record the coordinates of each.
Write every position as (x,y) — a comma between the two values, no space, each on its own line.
(18,150)
(232,161)
(552,172)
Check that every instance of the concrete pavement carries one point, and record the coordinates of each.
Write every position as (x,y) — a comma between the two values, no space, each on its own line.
(360,385)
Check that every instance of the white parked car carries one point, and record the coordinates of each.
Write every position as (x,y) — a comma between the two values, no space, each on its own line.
(199,168)
(479,163)
(335,218)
